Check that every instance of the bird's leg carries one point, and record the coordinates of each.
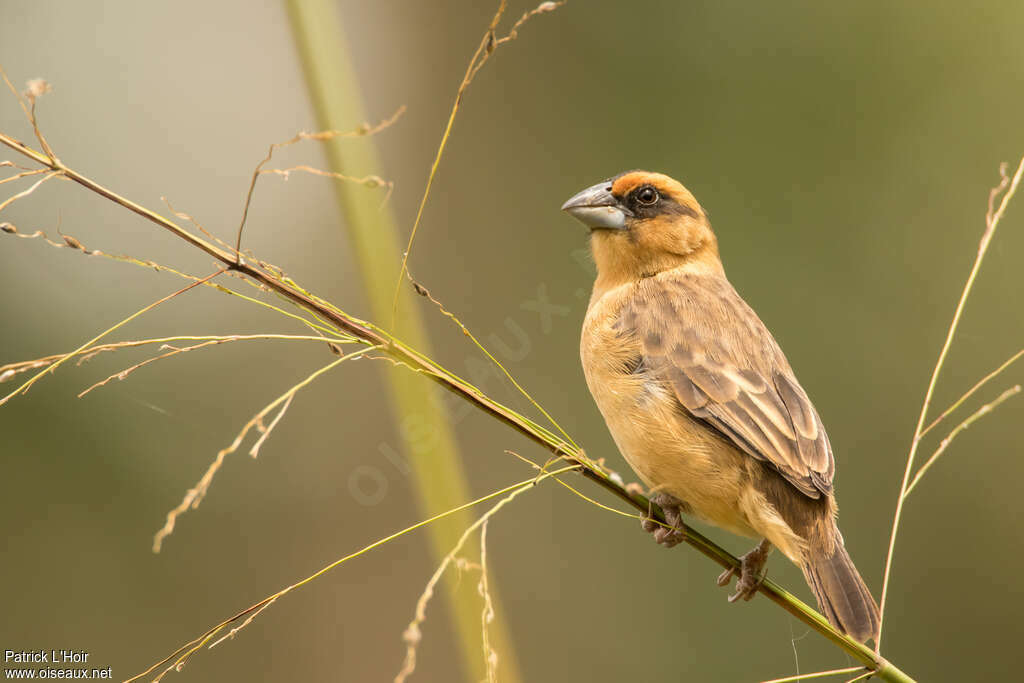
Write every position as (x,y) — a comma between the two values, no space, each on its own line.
(675,532)
(750,576)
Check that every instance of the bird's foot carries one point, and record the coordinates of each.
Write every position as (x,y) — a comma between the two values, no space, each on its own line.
(749,572)
(675,532)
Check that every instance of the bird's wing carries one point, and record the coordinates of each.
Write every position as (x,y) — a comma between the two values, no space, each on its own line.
(703,341)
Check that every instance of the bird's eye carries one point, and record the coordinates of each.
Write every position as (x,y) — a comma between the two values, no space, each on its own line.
(647,195)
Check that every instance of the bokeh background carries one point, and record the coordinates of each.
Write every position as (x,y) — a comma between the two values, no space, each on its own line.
(844,151)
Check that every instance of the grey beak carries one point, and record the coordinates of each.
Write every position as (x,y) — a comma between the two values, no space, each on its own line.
(595,207)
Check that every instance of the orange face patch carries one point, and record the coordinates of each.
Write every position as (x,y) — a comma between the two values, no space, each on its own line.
(625,183)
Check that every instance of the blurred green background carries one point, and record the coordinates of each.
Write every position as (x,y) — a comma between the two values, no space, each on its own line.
(844,151)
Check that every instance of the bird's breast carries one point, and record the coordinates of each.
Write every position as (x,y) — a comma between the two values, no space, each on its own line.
(668,449)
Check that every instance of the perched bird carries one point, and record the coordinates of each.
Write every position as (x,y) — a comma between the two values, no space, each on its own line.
(700,398)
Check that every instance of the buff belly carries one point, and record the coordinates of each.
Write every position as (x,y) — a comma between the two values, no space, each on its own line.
(685,460)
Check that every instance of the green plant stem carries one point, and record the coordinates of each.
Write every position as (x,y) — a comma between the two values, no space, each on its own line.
(429,443)
(420,363)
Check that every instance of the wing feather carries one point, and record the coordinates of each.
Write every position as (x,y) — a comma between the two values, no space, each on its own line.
(733,377)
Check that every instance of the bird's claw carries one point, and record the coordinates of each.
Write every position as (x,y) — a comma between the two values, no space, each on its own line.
(749,573)
(673,534)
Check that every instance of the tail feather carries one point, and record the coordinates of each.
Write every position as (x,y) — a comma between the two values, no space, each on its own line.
(842,596)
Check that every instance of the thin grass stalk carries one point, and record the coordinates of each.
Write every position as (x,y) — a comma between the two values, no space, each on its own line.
(1008,188)
(434,461)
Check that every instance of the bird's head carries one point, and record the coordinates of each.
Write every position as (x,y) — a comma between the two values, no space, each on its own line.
(643,223)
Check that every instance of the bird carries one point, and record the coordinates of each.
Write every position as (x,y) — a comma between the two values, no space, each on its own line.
(700,399)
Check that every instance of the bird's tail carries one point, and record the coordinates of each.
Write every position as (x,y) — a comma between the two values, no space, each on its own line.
(842,596)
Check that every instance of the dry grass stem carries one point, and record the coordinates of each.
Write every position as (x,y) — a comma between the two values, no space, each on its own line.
(321,326)
(979,413)
(53,366)
(361,131)
(34,89)
(819,674)
(11,369)
(264,430)
(542,472)
(413,634)
(487,615)
(194,496)
(174,350)
(1006,188)
(970,392)
(486,48)
(10,164)
(69,242)
(24,193)
(198,226)
(424,292)
(230,635)
(18,176)
(179,657)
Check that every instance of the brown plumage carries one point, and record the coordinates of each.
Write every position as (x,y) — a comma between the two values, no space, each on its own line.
(700,398)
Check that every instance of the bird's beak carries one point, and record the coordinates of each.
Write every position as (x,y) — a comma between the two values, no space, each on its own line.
(596,207)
